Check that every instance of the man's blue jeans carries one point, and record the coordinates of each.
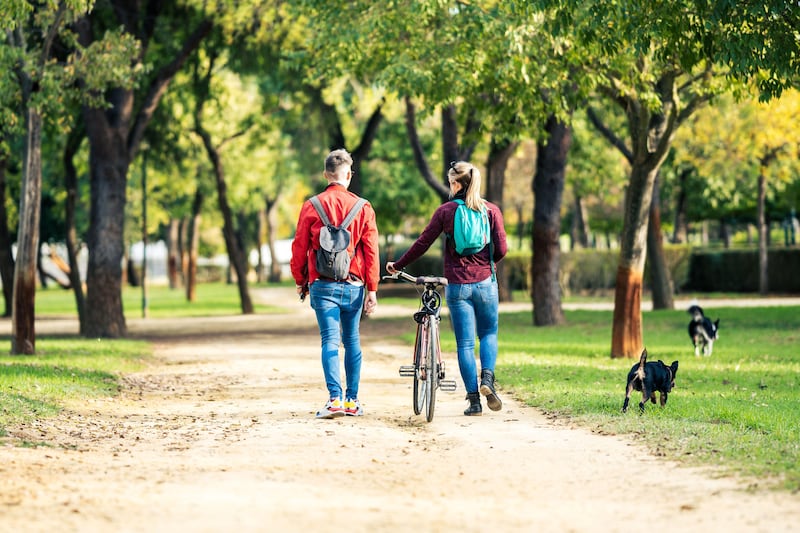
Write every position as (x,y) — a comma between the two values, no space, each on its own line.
(338,307)
(473,310)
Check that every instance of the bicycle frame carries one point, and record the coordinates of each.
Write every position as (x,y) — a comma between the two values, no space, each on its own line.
(428,368)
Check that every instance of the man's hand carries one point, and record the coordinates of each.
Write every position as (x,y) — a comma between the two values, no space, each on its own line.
(371,303)
(302,290)
(390,267)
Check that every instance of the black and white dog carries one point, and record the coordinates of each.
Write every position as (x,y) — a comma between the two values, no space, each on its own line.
(702,331)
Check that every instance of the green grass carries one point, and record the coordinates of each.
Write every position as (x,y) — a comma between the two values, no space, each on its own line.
(212,299)
(736,410)
(64,370)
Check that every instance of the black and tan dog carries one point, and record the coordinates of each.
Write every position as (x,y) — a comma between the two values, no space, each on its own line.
(649,378)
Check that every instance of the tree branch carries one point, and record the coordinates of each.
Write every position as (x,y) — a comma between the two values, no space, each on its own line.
(606,132)
(159,85)
(419,154)
(370,132)
(51,34)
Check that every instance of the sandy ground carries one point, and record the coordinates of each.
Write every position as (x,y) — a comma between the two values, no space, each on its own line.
(221,436)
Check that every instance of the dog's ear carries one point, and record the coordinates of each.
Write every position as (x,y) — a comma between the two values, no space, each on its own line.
(674,367)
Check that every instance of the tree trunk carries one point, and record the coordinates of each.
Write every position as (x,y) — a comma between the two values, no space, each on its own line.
(451,150)
(71,237)
(6,256)
(580,224)
(548,188)
(183,252)
(193,241)
(500,151)
(725,233)
(272,236)
(236,255)
(261,233)
(173,253)
(361,152)
(680,233)
(626,337)
(23,331)
(115,134)
(660,278)
(763,281)
(108,166)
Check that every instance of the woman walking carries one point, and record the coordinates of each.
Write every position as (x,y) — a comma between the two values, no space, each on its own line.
(471,293)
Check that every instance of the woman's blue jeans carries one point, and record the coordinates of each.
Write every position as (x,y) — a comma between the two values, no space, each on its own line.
(473,311)
(338,307)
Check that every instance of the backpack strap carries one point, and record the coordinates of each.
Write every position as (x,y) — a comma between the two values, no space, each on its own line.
(449,236)
(320,210)
(353,212)
(491,245)
(347,220)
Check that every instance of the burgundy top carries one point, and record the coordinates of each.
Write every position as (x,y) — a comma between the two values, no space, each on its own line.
(457,269)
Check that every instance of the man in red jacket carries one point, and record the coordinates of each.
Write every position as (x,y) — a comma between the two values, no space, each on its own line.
(338,304)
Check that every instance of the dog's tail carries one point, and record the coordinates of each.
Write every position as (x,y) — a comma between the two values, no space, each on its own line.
(642,361)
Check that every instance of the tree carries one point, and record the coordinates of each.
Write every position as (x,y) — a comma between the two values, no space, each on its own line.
(233,243)
(548,187)
(44,86)
(115,131)
(746,153)
(488,85)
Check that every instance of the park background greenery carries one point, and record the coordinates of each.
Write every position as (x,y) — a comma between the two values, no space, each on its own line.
(241,100)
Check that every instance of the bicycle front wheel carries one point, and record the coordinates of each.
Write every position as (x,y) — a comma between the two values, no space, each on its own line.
(432,367)
(420,392)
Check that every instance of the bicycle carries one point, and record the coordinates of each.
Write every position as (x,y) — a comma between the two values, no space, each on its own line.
(428,368)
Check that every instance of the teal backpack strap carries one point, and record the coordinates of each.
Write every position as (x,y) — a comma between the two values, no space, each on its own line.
(491,251)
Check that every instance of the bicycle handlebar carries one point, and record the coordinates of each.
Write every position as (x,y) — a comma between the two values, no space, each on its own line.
(421,280)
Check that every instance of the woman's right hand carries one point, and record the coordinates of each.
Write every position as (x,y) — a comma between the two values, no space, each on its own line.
(390,267)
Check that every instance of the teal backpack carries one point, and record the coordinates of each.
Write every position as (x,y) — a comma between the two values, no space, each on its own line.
(471,231)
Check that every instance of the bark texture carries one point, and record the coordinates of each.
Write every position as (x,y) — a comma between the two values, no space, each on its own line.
(660,278)
(6,256)
(548,189)
(627,333)
(23,327)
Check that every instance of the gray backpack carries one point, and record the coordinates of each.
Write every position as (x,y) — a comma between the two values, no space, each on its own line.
(333,261)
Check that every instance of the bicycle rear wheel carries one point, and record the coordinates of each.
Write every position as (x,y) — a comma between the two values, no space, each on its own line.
(432,367)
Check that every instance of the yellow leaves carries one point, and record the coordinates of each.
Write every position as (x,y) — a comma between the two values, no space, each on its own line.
(778,122)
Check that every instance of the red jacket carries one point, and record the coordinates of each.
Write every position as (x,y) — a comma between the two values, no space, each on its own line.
(337,201)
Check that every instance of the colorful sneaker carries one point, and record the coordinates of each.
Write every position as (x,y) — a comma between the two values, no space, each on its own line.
(352,407)
(332,409)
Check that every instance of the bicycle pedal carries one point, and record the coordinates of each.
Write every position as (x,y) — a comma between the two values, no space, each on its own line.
(448,385)
(407,371)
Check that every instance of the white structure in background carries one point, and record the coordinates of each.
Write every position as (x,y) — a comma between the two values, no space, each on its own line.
(50,267)
(283,252)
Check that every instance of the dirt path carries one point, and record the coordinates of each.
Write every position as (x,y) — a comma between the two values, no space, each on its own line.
(222,437)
